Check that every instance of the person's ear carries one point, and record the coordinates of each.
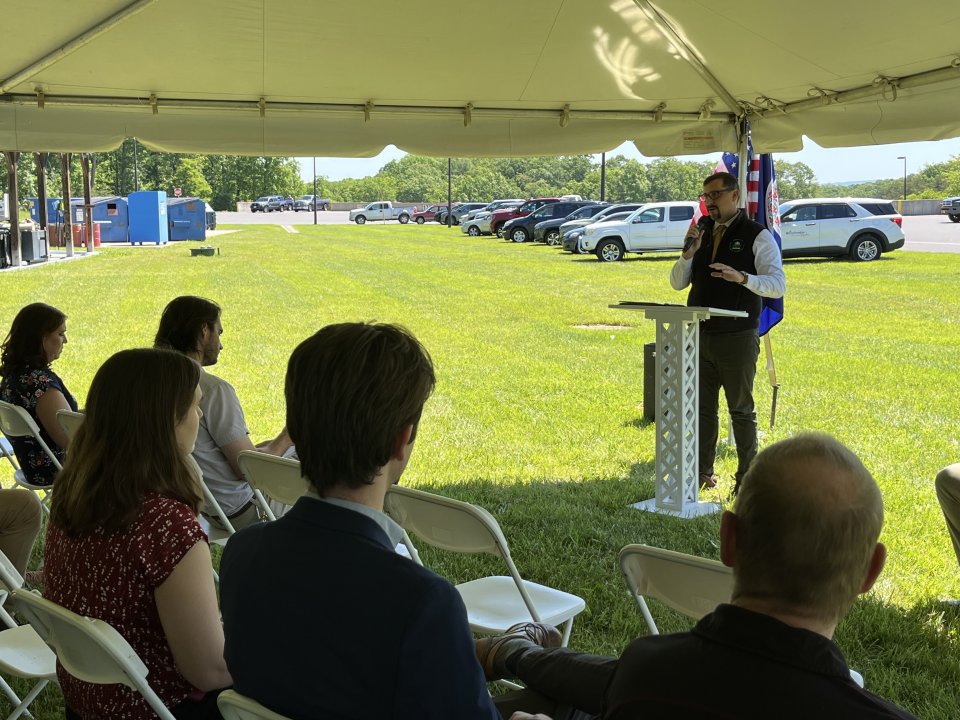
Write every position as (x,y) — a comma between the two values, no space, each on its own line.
(401,444)
(203,336)
(877,560)
(728,538)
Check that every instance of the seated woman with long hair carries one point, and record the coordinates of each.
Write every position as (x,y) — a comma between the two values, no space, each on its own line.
(35,340)
(123,542)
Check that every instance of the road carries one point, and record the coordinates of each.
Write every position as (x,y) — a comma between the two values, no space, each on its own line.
(925,233)
(931,233)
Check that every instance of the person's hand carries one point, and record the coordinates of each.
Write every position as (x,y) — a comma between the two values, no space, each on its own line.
(727,273)
(692,241)
(527,716)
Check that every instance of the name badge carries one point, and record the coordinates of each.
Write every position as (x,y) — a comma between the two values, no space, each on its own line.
(736,246)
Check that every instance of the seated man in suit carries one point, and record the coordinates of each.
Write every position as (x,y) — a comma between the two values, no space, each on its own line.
(323,619)
(802,542)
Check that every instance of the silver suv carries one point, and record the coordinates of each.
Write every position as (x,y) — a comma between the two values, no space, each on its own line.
(861,228)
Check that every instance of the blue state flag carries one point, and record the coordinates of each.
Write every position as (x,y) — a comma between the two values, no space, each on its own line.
(768,215)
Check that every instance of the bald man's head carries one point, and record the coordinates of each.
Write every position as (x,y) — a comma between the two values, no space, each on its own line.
(808,517)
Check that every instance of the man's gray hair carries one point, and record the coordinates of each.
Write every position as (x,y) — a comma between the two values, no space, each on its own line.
(808,518)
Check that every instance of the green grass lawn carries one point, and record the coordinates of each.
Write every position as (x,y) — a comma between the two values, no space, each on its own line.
(541,422)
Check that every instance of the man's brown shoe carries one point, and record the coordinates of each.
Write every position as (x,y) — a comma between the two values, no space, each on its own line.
(708,481)
(489,648)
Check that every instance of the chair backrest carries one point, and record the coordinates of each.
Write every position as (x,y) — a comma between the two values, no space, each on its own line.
(446,523)
(452,525)
(15,421)
(6,450)
(691,585)
(214,534)
(89,649)
(234,706)
(278,477)
(10,580)
(70,421)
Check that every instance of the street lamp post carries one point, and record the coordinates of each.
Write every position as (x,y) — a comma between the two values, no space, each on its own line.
(904,158)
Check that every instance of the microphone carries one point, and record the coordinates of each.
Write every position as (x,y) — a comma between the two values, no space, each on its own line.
(701,228)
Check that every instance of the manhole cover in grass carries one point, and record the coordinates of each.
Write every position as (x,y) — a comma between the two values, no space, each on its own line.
(602,326)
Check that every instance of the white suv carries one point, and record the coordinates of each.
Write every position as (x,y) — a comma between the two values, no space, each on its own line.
(862,228)
(654,227)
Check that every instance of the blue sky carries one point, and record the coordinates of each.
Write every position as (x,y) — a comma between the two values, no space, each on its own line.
(830,165)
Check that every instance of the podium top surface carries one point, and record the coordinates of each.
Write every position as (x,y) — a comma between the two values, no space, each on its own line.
(668,310)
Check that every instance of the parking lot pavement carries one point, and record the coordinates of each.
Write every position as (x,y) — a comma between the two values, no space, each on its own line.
(925,233)
(931,233)
(289,217)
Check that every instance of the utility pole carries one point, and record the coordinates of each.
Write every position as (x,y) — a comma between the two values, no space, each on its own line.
(603,177)
(314,190)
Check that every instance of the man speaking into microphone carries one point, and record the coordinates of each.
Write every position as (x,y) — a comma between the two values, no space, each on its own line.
(729,262)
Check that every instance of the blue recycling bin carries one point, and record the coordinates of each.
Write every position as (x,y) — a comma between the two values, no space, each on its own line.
(187,218)
(148,217)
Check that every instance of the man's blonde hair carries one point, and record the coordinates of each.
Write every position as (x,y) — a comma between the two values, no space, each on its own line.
(808,518)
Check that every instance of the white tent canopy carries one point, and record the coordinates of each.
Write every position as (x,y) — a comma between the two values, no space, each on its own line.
(445,77)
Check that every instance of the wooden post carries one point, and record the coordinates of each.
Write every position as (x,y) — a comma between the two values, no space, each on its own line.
(14,209)
(41,162)
(87,205)
(67,215)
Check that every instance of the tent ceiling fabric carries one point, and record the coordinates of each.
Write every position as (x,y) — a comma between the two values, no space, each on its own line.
(346,78)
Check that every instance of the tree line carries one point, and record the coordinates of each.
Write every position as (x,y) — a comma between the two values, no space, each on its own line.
(225,180)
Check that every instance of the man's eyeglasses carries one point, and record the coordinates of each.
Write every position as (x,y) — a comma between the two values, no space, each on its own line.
(714,194)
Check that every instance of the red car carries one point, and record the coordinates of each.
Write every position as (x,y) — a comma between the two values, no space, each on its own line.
(429,215)
(499,217)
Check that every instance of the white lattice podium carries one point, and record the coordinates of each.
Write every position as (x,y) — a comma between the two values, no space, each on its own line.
(678,382)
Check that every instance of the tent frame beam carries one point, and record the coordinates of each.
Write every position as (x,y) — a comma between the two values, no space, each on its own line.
(69,47)
(157,105)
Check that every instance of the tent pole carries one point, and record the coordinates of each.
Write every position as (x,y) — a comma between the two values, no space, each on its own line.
(742,130)
(14,207)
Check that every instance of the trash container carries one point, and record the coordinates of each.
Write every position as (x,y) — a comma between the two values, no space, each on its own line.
(6,258)
(31,244)
(650,381)
(80,235)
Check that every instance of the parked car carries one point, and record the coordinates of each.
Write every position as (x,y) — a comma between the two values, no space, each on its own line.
(862,228)
(270,203)
(654,227)
(520,229)
(571,244)
(442,212)
(501,216)
(477,226)
(309,202)
(428,215)
(380,211)
(458,212)
(548,231)
(574,239)
(951,207)
(490,207)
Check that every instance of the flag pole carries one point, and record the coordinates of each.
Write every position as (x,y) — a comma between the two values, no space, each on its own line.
(772,376)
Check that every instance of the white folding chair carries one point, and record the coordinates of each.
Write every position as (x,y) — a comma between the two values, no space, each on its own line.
(15,421)
(234,706)
(277,477)
(89,649)
(691,585)
(277,485)
(215,534)
(69,421)
(493,603)
(22,652)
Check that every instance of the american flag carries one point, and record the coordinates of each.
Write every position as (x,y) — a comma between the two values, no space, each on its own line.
(767,213)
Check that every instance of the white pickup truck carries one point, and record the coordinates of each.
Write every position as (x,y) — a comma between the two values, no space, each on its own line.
(654,227)
(380,211)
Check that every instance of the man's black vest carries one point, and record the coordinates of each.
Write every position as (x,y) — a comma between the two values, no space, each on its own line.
(736,250)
